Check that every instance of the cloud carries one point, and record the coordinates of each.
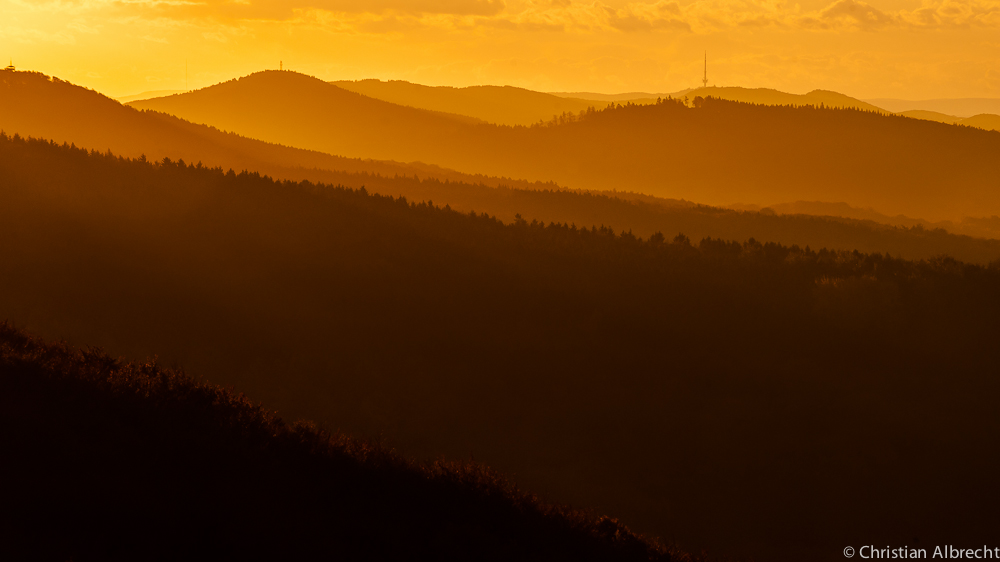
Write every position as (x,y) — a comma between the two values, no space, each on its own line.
(390,24)
(454,7)
(518,16)
(647,17)
(949,14)
(854,13)
(282,9)
(34,36)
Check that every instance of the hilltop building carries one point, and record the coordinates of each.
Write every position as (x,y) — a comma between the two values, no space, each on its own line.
(10,66)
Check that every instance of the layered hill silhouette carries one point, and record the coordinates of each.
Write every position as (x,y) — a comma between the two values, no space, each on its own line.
(71,114)
(628,97)
(767,96)
(754,399)
(985,227)
(719,152)
(507,105)
(48,107)
(982,121)
(149,95)
(503,105)
(106,460)
(962,107)
(816,224)
(988,121)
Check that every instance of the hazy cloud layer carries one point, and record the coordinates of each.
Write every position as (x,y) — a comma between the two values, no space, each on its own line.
(393,16)
(600,45)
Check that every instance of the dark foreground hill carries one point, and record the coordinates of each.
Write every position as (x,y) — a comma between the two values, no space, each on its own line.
(750,398)
(105,460)
(720,152)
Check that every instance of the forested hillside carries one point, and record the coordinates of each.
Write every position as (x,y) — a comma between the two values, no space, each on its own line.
(718,152)
(767,96)
(105,460)
(741,396)
(816,226)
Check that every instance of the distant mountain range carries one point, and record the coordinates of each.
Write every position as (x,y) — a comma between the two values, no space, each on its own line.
(719,153)
(765,96)
(504,105)
(149,95)
(960,107)
(507,105)
(57,110)
(53,109)
(634,97)
(987,121)
(986,227)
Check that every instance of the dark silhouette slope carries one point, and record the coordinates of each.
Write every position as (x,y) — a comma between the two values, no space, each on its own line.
(719,152)
(503,105)
(751,398)
(105,460)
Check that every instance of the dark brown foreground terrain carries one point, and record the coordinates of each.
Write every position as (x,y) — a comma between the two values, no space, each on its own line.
(105,460)
(750,398)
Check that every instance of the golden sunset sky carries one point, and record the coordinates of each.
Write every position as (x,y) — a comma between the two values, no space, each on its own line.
(889,48)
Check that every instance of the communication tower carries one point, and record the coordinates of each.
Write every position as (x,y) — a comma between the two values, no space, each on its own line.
(10,66)
(704,79)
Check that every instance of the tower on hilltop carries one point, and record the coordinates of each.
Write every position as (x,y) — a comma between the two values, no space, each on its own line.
(704,79)
(11,65)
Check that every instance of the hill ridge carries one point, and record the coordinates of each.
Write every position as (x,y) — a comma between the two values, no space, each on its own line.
(715,154)
(661,380)
(193,451)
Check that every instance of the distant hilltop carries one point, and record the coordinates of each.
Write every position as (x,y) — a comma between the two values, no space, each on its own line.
(958,107)
(508,105)
(149,95)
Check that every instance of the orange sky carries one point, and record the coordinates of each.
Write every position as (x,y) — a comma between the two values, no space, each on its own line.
(893,48)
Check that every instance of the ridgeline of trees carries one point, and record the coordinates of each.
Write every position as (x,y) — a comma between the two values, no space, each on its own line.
(644,216)
(751,398)
(106,460)
(716,152)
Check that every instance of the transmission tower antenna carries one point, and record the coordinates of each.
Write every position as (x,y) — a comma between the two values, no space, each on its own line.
(704,79)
